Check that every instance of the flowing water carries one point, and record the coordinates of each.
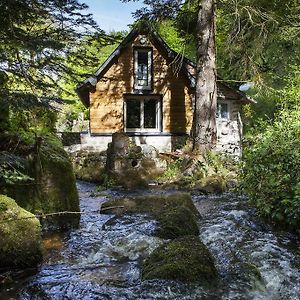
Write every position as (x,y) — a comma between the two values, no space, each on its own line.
(100,259)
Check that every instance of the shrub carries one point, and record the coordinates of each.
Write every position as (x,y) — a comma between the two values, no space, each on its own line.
(271,170)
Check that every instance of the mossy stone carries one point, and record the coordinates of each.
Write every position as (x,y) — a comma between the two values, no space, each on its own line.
(177,222)
(20,232)
(176,214)
(131,166)
(153,204)
(213,184)
(53,188)
(89,166)
(185,259)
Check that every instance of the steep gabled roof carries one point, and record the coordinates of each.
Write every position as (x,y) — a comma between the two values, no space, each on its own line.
(187,67)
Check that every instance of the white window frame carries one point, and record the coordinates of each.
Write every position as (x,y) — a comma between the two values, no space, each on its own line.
(149,79)
(228,109)
(158,114)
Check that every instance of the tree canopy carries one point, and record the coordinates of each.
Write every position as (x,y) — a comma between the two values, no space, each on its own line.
(40,46)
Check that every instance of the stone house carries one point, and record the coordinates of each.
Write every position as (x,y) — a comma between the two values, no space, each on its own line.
(146,90)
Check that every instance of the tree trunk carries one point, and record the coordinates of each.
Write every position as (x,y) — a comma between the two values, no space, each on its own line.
(204,123)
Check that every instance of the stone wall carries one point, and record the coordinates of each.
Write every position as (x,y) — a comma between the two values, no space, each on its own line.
(230,132)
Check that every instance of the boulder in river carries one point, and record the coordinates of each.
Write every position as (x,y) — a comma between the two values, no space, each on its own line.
(186,259)
(176,214)
(20,236)
(47,184)
(177,221)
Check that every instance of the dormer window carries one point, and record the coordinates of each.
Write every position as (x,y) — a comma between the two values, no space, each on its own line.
(142,69)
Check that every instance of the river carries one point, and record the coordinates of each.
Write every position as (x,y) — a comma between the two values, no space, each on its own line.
(100,259)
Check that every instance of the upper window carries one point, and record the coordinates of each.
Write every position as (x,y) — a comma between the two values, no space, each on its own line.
(223,111)
(142,115)
(142,69)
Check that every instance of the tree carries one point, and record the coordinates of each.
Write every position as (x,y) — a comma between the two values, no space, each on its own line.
(37,39)
(204,123)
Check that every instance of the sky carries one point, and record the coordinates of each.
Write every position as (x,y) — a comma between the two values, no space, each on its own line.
(112,14)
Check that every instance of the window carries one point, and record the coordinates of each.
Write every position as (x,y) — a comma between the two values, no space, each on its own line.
(142,69)
(223,111)
(142,115)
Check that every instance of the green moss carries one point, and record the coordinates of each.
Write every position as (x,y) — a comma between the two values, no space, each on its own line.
(149,204)
(175,213)
(210,173)
(20,231)
(186,259)
(176,222)
(89,166)
(53,186)
(57,185)
(215,184)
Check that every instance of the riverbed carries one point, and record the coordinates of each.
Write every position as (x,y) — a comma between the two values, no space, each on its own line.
(101,259)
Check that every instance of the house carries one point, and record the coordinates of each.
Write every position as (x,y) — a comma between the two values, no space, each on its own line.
(146,90)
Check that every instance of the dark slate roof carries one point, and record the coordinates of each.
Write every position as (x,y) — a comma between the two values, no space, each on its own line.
(188,68)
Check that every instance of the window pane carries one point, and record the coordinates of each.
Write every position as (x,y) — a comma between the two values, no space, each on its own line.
(150,113)
(222,111)
(142,71)
(133,114)
(143,57)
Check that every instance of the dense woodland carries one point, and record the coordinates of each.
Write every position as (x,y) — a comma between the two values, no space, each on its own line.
(49,45)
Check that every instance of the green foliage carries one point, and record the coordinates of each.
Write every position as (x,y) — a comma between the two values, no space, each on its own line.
(107,182)
(271,170)
(88,55)
(172,173)
(258,41)
(35,119)
(33,49)
(42,49)
(177,40)
(12,169)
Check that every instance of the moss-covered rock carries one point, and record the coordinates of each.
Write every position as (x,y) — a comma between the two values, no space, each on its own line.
(186,259)
(52,188)
(130,165)
(20,236)
(154,204)
(89,166)
(210,173)
(176,222)
(214,184)
(175,213)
